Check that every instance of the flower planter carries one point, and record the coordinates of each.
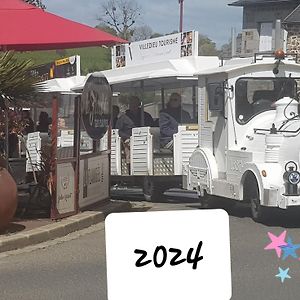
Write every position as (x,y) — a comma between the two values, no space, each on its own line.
(8,198)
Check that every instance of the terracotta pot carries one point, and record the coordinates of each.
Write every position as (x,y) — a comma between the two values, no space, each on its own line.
(8,198)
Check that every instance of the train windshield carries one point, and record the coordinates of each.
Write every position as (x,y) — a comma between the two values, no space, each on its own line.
(256,95)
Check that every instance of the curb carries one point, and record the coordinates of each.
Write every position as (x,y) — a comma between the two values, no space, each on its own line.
(61,228)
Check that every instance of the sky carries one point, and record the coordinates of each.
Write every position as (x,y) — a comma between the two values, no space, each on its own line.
(213,18)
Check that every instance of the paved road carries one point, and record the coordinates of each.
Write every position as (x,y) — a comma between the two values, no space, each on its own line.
(74,267)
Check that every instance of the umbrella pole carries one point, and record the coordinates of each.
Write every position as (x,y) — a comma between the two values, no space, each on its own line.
(6,139)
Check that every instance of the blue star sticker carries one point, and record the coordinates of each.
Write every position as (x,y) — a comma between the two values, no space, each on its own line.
(283,274)
(290,249)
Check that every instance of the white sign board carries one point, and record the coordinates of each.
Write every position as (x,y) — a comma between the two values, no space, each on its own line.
(93,180)
(33,153)
(168,255)
(265,38)
(155,50)
(66,138)
(86,143)
(104,142)
(65,188)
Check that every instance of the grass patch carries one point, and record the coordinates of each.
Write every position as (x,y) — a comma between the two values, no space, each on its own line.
(92,58)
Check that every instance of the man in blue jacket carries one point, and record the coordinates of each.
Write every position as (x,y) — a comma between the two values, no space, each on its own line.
(169,119)
(130,119)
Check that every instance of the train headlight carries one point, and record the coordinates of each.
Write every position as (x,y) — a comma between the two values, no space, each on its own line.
(291,179)
(294,177)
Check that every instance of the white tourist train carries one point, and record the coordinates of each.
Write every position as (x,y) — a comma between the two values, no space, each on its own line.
(249,125)
(153,73)
(243,144)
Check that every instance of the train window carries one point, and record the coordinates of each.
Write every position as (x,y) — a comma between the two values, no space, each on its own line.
(256,95)
(215,93)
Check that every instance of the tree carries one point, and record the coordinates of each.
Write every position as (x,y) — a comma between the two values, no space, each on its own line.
(37,3)
(172,32)
(206,46)
(142,33)
(16,83)
(156,35)
(106,28)
(121,15)
(226,50)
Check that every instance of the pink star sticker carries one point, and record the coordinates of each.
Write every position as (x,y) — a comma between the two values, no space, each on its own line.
(276,242)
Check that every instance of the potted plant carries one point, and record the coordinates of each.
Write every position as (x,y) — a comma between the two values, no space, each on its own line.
(15,84)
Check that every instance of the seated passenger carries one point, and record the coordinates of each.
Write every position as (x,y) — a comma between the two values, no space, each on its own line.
(115,114)
(263,100)
(44,122)
(169,119)
(131,119)
(28,122)
(135,114)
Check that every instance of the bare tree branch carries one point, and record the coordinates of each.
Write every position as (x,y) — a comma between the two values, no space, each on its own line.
(37,3)
(121,15)
(143,32)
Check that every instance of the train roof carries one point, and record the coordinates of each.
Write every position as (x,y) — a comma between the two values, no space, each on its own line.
(62,85)
(248,65)
(159,74)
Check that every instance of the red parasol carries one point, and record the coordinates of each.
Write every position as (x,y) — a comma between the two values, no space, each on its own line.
(24,27)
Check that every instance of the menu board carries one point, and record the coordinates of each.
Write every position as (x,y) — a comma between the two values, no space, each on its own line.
(33,153)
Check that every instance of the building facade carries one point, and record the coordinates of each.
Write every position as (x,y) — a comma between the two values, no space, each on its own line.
(292,25)
(259,23)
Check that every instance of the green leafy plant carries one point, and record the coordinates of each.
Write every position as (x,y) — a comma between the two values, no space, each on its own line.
(43,176)
(16,86)
(15,81)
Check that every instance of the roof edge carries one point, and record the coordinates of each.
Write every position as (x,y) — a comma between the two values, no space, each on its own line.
(285,21)
(241,3)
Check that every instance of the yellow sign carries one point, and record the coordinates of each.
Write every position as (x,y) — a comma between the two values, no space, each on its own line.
(192,127)
(51,73)
(62,61)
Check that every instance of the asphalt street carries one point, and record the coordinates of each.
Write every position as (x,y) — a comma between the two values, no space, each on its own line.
(73,267)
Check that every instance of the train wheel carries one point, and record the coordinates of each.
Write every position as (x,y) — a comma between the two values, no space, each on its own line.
(207,201)
(258,211)
(152,189)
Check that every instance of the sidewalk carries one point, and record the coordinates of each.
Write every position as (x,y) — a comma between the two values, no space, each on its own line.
(25,232)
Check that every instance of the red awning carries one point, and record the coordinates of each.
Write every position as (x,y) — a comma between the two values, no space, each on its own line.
(24,27)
